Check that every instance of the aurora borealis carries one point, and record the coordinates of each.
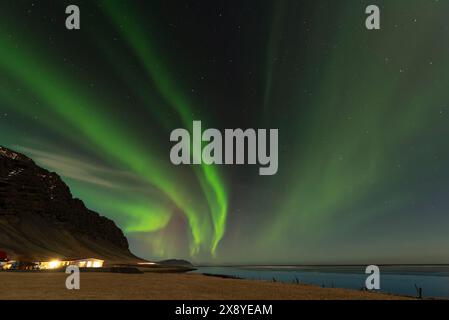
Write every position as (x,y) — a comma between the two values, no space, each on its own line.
(362,115)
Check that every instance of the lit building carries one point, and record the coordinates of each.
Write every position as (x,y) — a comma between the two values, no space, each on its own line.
(3,256)
(17,265)
(82,263)
(5,265)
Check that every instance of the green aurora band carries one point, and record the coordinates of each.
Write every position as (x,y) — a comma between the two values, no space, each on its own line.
(210,180)
(89,118)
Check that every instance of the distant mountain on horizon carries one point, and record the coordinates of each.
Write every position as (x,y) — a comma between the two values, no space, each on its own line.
(176,262)
(40,219)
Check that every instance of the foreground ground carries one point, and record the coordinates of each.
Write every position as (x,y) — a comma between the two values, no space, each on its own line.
(162,286)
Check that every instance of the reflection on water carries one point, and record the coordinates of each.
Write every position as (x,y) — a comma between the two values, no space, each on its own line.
(434,280)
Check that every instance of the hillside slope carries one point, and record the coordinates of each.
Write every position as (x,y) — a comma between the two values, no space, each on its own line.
(40,219)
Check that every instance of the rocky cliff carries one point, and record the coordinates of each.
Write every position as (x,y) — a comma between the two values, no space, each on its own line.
(40,219)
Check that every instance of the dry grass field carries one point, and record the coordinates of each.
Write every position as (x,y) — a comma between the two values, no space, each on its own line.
(163,286)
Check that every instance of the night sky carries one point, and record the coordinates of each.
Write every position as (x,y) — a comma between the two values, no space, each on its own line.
(363,119)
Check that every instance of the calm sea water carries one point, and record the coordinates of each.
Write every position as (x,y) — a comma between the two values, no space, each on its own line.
(434,280)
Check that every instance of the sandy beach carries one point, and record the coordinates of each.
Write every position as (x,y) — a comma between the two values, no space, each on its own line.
(163,286)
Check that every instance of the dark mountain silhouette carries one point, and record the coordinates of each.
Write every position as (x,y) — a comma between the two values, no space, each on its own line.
(40,219)
(176,262)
